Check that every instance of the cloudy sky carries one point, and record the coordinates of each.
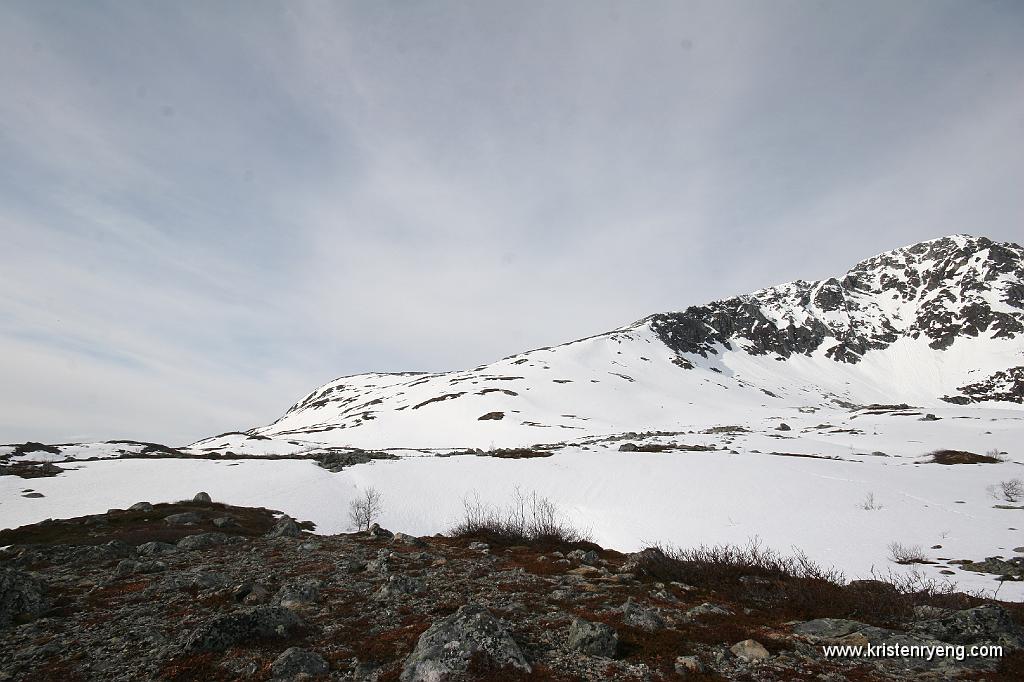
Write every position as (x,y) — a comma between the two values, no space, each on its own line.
(209,208)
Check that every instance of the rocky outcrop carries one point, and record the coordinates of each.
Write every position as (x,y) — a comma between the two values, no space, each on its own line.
(263,622)
(373,606)
(22,596)
(472,635)
(945,289)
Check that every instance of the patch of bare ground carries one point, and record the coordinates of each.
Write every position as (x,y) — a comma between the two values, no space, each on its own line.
(949,457)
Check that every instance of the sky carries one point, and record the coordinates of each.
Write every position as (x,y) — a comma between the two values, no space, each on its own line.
(207,209)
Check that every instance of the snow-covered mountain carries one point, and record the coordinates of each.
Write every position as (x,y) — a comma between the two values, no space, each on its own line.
(930,324)
(736,419)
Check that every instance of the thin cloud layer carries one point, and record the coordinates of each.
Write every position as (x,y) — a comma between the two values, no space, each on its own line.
(209,209)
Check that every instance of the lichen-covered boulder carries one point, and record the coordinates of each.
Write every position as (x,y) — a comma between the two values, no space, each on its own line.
(470,635)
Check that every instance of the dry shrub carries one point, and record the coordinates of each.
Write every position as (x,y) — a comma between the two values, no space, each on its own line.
(796,587)
(529,519)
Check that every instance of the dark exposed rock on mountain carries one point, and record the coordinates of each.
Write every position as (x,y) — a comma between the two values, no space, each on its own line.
(942,290)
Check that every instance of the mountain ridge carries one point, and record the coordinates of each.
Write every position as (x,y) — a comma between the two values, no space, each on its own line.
(933,323)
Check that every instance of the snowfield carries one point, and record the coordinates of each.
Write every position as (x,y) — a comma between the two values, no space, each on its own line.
(630,499)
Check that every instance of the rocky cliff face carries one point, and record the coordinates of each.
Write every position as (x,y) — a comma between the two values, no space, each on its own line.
(943,290)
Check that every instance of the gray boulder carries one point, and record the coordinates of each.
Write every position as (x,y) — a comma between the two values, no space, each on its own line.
(132,567)
(595,639)
(987,624)
(643,617)
(202,498)
(22,596)
(225,522)
(445,650)
(707,609)
(398,586)
(183,519)
(588,557)
(295,661)
(298,593)
(828,628)
(263,622)
(749,650)
(154,548)
(380,533)
(204,540)
(410,540)
(141,506)
(285,528)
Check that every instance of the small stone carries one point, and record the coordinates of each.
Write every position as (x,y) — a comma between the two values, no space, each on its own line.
(749,650)
(225,522)
(141,506)
(686,665)
(479,546)
(783,427)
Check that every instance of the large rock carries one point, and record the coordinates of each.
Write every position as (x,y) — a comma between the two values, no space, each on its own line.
(183,519)
(595,639)
(988,624)
(202,498)
(295,661)
(204,540)
(285,528)
(141,506)
(298,593)
(828,628)
(471,634)
(22,596)
(398,586)
(263,622)
(154,548)
(749,650)
(643,617)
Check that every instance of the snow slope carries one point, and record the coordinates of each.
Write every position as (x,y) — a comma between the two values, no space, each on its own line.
(915,325)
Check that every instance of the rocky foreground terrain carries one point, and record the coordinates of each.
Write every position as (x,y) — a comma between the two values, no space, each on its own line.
(201,590)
